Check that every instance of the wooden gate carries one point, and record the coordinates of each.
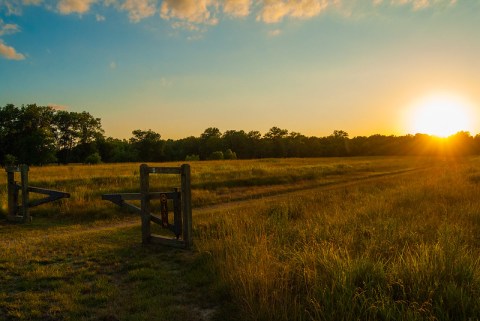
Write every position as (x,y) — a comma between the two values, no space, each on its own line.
(19,211)
(182,210)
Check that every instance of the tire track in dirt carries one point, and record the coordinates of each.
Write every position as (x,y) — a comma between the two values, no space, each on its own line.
(271,196)
(130,221)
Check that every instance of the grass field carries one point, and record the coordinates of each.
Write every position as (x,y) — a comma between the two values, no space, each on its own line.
(277,239)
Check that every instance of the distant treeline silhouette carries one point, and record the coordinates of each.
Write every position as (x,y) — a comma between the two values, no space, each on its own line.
(38,135)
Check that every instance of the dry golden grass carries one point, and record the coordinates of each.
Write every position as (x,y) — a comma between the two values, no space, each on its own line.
(345,243)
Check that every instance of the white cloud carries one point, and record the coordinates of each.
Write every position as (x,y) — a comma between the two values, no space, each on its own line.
(8,28)
(274,11)
(237,8)
(74,6)
(274,33)
(196,15)
(421,4)
(113,65)
(10,52)
(139,9)
(191,11)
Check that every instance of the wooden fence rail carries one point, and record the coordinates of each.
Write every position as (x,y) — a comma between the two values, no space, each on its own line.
(19,212)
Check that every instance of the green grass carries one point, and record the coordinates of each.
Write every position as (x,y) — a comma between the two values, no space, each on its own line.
(76,273)
(399,249)
(345,243)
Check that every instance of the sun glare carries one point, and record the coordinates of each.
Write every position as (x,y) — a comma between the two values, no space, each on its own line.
(441,115)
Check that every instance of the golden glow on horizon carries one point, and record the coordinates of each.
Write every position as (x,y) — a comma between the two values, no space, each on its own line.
(441,115)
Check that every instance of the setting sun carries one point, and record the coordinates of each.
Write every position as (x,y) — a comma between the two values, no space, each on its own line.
(441,115)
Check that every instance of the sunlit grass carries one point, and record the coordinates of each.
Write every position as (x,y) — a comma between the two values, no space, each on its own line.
(212,182)
(399,249)
(402,247)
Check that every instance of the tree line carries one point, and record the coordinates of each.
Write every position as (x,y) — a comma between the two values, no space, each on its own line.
(38,135)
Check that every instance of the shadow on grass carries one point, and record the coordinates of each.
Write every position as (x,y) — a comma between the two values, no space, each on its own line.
(107,275)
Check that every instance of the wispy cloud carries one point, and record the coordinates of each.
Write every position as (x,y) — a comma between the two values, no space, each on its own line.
(139,9)
(8,28)
(99,17)
(113,65)
(274,33)
(74,6)
(6,51)
(196,15)
(190,11)
(10,52)
(416,4)
(237,8)
(274,11)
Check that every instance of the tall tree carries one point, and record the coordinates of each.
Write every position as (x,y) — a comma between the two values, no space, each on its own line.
(76,134)
(148,145)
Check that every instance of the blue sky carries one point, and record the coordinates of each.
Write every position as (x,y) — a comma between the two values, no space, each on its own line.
(180,66)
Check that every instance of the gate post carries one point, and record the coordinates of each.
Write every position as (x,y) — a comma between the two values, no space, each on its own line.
(145,203)
(12,192)
(25,195)
(186,205)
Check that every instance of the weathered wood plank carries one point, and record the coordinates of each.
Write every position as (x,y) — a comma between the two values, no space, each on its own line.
(138,196)
(44,200)
(164,170)
(157,239)
(170,195)
(145,203)
(177,216)
(186,205)
(50,192)
(121,197)
(12,194)
(155,219)
(25,196)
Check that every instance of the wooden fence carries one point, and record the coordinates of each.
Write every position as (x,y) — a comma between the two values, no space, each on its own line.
(182,209)
(18,207)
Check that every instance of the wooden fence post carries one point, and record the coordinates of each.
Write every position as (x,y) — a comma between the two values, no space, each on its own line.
(186,205)
(145,203)
(25,193)
(12,193)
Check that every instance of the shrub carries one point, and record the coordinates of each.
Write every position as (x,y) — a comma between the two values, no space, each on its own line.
(216,155)
(94,158)
(191,158)
(228,154)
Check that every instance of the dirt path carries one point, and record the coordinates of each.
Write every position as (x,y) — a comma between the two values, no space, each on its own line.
(297,191)
(101,227)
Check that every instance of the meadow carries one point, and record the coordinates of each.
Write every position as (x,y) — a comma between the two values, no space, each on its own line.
(371,238)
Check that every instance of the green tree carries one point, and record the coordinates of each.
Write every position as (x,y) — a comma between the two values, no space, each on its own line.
(148,145)
(210,141)
(33,138)
(76,135)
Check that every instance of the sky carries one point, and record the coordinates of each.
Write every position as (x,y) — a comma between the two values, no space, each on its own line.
(180,66)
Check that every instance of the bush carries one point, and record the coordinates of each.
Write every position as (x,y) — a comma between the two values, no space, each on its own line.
(228,154)
(191,158)
(216,155)
(94,158)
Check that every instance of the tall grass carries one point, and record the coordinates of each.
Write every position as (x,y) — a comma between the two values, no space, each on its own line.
(336,247)
(398,249)
(212,182)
